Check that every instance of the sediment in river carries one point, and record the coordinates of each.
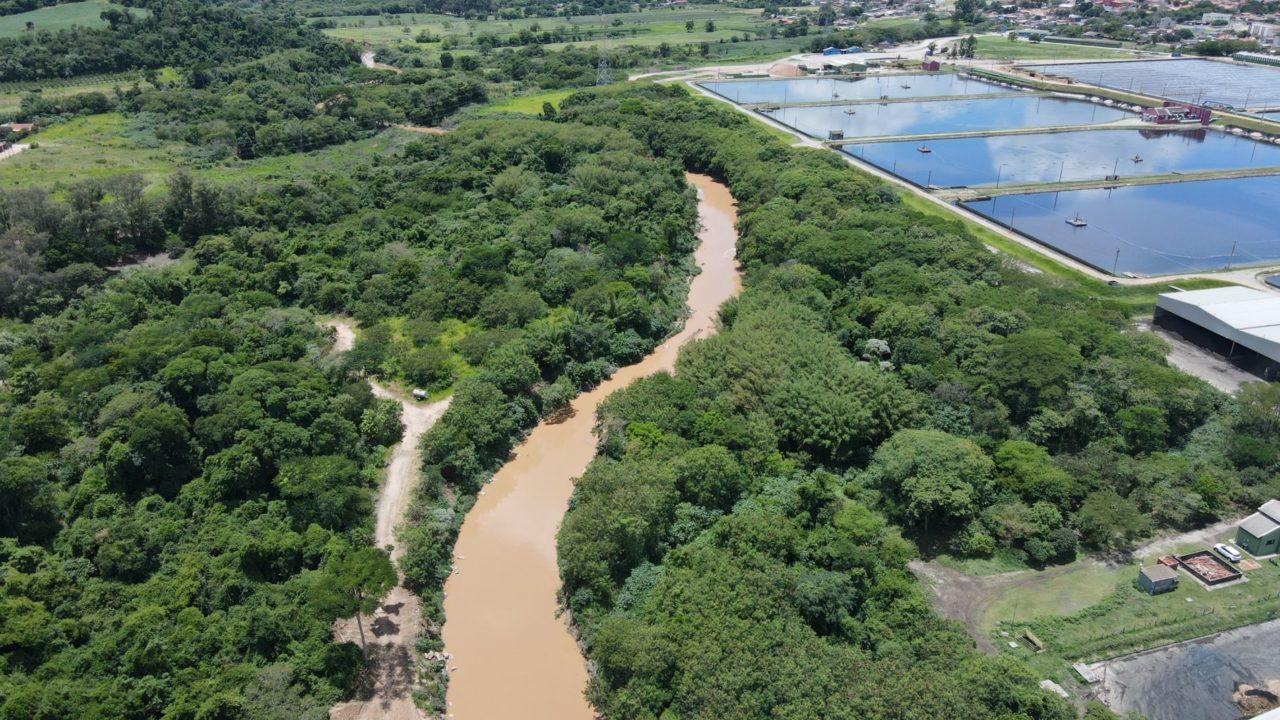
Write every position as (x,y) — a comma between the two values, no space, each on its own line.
(513,655)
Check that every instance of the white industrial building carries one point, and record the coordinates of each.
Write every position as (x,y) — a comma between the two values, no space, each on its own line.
(1239,323)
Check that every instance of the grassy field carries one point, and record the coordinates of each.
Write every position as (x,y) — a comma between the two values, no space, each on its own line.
(650,27)
(646,29)
(87,147)
(1099,613)
(1064,592)
(998,47)
(57,17)
(528,104)
(104,145)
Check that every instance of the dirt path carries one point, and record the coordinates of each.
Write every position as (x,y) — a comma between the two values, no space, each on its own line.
(384,689)
(512,654)
(1207,535)
(964,597)
(423,129)
(366,59)
(13,151)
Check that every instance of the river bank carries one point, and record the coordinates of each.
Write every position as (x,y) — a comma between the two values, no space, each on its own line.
(513,654)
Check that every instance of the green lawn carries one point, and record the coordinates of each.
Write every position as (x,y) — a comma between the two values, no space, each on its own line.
(58,17)
(528,104)
(1126,619)
(1057,592)
(998,47)
(104,145)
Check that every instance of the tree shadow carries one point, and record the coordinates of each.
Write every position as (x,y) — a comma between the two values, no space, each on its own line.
(383,626)
(387,675)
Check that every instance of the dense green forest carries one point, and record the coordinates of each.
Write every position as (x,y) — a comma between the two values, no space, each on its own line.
(729,555)
(186,477)
(187,472)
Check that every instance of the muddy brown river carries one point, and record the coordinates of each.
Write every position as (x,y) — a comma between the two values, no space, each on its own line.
(512,654)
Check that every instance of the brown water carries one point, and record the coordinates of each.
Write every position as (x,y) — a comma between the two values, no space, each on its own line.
(513,657)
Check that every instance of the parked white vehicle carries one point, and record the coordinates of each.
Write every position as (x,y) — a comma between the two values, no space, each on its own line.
(419,394)
(1228,552)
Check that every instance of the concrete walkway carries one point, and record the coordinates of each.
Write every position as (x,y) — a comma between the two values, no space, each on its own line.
(976,191)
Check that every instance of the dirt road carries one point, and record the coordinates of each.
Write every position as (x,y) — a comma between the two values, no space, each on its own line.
(1195,360)
(964,597)
(366,59)
(384,689)
(512,654)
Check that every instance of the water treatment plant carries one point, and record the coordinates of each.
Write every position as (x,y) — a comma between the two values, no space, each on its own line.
(1130,167)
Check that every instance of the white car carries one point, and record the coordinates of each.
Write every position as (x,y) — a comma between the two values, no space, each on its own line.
(1228,552)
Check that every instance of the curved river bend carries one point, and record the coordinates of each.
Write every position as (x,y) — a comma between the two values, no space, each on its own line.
(512,655)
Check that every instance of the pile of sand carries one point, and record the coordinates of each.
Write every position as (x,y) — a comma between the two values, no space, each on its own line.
(1257,700)
(785,70)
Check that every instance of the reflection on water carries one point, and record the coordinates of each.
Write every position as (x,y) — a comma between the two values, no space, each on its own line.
(1155,229)
(1189,80)
(868,88)
(943,116)
(1079,155)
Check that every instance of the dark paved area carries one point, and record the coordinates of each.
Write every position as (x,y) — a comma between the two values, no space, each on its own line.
(1195,680)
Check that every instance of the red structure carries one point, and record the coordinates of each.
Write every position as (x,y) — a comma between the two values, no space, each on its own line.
(1209,568)
(1174,113)
(931,65)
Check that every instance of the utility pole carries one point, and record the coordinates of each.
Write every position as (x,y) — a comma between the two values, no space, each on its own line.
(1232,258)
(1116,265)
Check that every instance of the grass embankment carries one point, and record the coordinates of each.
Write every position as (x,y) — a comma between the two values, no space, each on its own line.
(1138,299)
(100,146)
(60,17)
(1073,88)
(999,47)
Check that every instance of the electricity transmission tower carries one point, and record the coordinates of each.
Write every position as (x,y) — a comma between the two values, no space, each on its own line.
(604,75)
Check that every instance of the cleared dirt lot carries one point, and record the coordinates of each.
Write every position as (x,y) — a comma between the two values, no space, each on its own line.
(1194,679)
(1199,362)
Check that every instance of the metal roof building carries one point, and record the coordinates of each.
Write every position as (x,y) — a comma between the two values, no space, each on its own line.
(1241,323)
(1260,532)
